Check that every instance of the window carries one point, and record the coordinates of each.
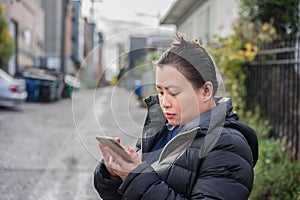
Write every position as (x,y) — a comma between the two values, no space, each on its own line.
(27,39)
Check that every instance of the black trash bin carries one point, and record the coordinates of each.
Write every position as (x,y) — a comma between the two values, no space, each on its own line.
(43,84)
(48,90)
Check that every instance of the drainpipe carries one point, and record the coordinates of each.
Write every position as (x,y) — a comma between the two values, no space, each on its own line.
(63,37)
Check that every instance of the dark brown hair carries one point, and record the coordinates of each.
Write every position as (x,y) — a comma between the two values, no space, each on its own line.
(192,60)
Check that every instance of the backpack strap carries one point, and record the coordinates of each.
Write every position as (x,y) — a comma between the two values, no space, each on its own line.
(210,141)
(217,121)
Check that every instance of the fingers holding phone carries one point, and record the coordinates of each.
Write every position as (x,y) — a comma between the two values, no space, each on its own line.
(114,144)
(119,160)
(107,159)
(121,167)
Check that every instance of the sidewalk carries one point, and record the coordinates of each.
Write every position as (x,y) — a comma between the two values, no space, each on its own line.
(48,151)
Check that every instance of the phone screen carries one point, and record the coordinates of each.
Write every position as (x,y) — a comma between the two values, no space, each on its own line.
(115,146)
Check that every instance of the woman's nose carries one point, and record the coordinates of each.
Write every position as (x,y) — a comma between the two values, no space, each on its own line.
(165,102)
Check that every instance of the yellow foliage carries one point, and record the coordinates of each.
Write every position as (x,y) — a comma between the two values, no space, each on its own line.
(248,46)
(255,49)
(265,27)
(5,36)
(6,42)
(249,55)
(114,81)
(233,52)
(3,6)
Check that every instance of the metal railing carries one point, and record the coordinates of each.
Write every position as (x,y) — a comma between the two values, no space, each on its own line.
(273,84)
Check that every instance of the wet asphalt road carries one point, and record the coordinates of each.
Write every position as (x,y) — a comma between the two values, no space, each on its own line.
(48,151)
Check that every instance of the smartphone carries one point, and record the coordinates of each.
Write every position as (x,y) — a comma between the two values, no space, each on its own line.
(115,146)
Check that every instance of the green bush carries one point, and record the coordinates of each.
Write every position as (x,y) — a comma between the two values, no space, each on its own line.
(6,41)
(276,177)
(283,13)
(261,126)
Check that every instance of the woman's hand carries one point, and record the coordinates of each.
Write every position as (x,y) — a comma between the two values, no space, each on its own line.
(107,158)
(114,163)
(120,166)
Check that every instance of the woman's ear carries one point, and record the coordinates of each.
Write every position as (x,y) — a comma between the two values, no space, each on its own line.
(207,91)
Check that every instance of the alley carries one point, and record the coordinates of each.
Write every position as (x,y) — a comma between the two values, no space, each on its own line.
(48,151)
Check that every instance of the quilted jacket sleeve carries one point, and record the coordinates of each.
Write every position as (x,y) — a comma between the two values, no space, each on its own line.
(227,171)
(225,179)
(144,183)
(106,186)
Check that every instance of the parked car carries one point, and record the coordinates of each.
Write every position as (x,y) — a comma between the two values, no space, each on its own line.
(12,91)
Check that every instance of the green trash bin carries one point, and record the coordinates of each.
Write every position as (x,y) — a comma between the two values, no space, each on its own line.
(71,83)
(68,91)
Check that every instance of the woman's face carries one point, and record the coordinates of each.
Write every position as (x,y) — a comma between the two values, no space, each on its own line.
(179,101)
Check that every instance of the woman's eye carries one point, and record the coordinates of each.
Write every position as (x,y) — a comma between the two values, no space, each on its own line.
(174,93)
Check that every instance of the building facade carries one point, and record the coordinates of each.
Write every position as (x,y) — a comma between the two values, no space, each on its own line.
(64,35)
(58,35)
(28,35)
(91,69)
(77,34)
(202,19)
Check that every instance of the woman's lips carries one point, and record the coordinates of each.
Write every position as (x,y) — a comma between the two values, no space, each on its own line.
(169,115)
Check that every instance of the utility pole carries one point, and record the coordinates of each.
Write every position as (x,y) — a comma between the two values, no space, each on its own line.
(63,37)
(92,9)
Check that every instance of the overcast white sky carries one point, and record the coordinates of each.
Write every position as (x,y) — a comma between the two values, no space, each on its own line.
(116,19)
(108,13)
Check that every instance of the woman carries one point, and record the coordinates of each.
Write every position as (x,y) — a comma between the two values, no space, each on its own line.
(193,146)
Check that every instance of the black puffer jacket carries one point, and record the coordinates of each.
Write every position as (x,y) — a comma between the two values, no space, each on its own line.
(187,169)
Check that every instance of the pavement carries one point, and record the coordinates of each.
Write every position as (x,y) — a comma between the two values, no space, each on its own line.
(48,151)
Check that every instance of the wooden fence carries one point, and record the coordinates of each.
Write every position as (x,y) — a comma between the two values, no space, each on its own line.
(273,84)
